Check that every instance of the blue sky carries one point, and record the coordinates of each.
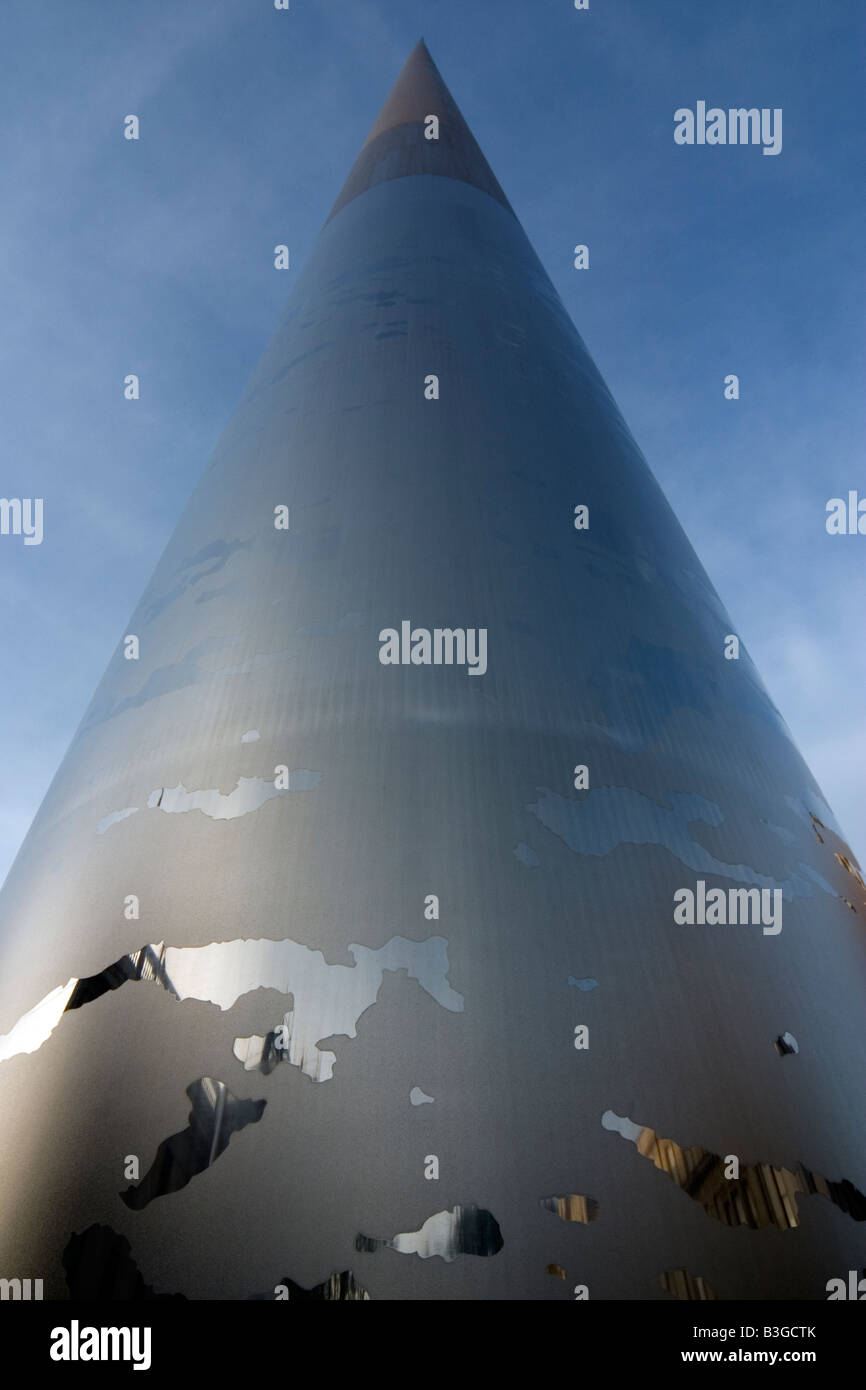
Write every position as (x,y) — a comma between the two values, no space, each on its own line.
(156,257)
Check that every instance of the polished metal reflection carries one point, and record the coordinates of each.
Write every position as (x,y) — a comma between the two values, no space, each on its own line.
(607,817)
(605,646)
(572,1207)
(846,860)
(34,1027)
(448,1234)
(263,1052)
(419,1097)
(249,794)
(215,1116)
(338,1288)
(761,1196)
(329,999)
(849,868)
(98,1264)
(687,1287)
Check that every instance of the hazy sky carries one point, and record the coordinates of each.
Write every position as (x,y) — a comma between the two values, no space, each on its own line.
(156,257)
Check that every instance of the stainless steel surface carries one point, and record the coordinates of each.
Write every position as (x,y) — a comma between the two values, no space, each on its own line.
(313,905)
(446,1235)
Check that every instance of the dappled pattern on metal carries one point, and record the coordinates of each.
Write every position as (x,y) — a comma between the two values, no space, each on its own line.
(473,879)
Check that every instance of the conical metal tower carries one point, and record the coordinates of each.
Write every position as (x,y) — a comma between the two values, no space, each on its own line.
(349,951)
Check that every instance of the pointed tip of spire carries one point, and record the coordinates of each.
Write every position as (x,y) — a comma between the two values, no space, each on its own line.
(418,91)
(397,145)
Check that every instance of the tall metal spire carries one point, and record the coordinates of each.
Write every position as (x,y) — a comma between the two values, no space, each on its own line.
(400,141)
(402,928)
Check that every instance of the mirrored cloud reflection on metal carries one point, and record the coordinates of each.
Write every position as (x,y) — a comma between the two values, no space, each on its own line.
(761,1196)
(249,794)
(329,999)
(448,1234)
(608,817)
